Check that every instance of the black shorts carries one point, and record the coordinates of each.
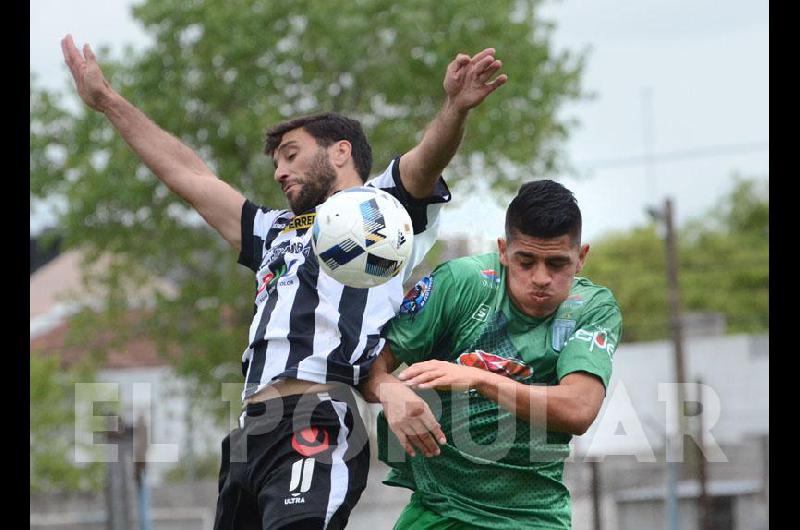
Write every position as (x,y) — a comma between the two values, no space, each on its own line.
(296,462)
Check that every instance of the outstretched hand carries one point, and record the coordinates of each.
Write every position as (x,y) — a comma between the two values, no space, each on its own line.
(92,86)
(466,81)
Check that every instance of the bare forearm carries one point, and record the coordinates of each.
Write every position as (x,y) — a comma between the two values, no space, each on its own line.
(379,374)
(557,408)
(441,140)
(171,161)
(421,167)
(179,168)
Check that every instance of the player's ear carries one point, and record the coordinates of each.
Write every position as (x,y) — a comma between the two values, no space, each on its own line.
(582,257)
(340,153)
(501,248)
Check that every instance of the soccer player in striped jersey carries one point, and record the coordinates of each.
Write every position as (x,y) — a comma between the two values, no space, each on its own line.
(300,456)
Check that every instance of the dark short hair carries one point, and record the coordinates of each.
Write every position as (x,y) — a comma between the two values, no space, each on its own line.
(326,129)
(544,209)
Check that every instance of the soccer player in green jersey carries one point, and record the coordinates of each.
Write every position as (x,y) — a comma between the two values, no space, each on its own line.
(515,351)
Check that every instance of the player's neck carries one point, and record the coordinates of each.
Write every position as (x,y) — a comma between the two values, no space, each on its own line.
(346,180)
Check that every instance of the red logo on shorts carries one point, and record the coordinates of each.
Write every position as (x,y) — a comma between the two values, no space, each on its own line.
(310,441)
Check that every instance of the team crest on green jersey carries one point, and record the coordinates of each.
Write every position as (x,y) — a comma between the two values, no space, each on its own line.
(560,331)
(415,298)
(565,321)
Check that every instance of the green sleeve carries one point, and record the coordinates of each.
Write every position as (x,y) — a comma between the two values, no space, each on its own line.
(424,317)
(591,346)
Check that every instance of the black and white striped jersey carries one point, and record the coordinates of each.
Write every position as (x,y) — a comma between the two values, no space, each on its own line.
(307,325)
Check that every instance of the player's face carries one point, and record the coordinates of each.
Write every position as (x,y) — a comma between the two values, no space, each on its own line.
(304,171)
(540,271)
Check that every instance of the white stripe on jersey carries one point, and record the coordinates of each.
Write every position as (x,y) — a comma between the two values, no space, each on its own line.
(278,326)
(264,222)
(328,332)
(340,477)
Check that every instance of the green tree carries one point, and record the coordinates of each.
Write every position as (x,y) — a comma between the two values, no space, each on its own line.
(52,429)
(724,267)
(726,259)
(632,265)
(218,75)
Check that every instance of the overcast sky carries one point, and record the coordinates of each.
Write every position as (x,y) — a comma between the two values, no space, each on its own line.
(705,65)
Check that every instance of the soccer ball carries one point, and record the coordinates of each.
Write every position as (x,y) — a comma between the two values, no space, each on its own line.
(362,236)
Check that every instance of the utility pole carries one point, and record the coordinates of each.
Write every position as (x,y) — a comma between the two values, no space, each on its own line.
(118,479)
(765,473)
(139,466)
(705,500)
(666,215)
(596,496)
(675,308)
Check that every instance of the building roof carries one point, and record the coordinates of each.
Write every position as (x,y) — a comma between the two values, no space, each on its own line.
(136,353)
(54,283)
(57,291)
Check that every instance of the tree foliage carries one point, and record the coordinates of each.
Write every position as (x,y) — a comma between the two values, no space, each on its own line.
(52,429)
(724,267)
(218,75)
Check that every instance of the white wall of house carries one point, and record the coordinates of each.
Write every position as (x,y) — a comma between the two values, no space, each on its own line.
(738,503)
(634,418)
(173,429)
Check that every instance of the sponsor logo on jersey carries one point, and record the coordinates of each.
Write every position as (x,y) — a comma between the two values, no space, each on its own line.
(267,281)
(300,482)
(415,298)
(481,313)
(273,253)
(300,222)
(295,245)
(264,281)
(311,441)
(490,275)
(512,368)
(600,339)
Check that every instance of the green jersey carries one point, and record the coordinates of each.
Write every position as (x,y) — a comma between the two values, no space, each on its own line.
(496,470)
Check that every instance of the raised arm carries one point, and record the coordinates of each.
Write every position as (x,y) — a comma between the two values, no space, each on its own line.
(466,84)
(172,162)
